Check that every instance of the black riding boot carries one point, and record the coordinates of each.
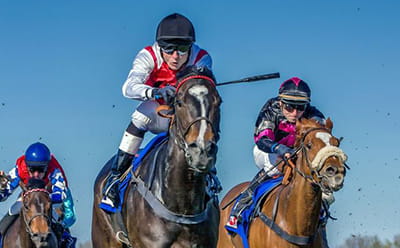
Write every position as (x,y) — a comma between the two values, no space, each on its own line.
(246,198)
(120,164)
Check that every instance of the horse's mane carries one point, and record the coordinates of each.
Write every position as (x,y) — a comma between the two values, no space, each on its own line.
(195,70)
(34,183)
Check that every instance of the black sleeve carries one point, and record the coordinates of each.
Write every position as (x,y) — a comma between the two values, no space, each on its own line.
(265,144)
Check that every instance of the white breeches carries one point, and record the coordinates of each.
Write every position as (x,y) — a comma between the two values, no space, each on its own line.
(146,118)
(265,161)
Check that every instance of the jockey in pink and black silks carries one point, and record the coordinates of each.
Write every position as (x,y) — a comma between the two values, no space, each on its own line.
(275,133)
(152,80)
(275,129)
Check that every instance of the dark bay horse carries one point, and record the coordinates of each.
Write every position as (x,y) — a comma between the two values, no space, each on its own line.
(32,228)
(294,207)
(166,204)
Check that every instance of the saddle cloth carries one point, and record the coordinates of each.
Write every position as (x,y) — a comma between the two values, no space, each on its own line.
(243,225)
(135,164)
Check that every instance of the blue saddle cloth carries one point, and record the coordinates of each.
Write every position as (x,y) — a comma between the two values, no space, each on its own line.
(243,226)
(135,164)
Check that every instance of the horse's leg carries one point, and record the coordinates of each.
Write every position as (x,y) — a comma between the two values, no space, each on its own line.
(103,235)
(225,240)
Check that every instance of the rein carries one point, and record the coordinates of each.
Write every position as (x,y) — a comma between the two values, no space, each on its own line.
(182,131)
(315,179)
(178,136)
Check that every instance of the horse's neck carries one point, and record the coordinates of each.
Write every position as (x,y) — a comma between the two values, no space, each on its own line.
(182,190)
(304,202)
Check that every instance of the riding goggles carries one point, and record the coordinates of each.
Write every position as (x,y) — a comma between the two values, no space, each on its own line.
(181,49)
(38,169)
(291,107)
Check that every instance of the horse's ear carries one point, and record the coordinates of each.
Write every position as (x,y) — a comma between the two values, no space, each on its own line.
(299,125)
(23,187)
(329,124)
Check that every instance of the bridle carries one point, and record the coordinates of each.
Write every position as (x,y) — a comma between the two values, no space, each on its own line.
(315,177)
(182,131)
(29,221)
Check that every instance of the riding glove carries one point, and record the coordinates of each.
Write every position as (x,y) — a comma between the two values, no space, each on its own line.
(281,150)
(166,93)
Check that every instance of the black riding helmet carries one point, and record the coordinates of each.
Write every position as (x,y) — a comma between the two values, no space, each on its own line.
(175,29)
(295,91)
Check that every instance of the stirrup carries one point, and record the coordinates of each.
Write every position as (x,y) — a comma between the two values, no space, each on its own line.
(107,201)
(122,237)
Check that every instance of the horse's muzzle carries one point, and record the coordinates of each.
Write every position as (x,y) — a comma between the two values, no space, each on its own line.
(335,177)
(42,240)
(202,156)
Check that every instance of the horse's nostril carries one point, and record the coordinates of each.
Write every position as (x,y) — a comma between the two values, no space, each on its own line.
(193,145)
(339,179)
(331,171)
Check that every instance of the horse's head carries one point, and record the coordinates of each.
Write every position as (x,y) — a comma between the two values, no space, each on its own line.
(36,212)
(197,117)
(320,149)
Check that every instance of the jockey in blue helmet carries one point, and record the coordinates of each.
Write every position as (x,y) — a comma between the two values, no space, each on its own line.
(39,163)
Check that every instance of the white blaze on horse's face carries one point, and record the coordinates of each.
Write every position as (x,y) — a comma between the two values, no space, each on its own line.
(325,137)
(200,92)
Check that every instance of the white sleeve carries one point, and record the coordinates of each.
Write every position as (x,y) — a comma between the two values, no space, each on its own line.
(134,86)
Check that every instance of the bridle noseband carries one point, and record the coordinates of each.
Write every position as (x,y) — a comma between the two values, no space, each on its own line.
(315,177)
(182,131)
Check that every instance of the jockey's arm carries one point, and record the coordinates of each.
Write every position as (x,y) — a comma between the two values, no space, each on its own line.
(9,187)
(61,194)
(134,86)
(58,187)
(265,144)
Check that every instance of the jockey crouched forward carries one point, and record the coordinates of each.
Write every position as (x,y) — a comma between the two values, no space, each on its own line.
(39,163)
(275,135)
(152,80)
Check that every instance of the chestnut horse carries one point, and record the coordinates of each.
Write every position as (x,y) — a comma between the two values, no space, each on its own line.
(293,208)
(166,203)
(32,228)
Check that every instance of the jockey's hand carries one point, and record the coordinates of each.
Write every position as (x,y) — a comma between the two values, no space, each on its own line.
(166,93)
(3,181)
(283,151)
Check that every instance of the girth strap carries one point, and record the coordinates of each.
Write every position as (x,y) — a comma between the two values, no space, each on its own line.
(298,240)
(167,214)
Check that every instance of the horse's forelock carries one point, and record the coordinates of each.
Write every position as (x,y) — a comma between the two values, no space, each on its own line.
(34,183)
(194,70)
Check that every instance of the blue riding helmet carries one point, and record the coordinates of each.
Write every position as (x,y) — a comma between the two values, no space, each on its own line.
(37,155)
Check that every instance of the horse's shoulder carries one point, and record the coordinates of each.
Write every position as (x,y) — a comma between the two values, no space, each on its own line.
(233,193)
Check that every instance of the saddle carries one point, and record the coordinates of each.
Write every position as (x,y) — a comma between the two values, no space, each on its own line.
(249,213)
(126,177)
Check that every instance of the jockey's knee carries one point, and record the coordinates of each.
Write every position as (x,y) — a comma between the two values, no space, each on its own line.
(134,130)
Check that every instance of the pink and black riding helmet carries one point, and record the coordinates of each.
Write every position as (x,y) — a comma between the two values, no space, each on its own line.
(295,91)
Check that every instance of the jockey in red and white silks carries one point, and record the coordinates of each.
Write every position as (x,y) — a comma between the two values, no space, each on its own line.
(148,71)
(152,80)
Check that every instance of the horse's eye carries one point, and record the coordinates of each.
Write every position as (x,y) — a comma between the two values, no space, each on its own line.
(309,145)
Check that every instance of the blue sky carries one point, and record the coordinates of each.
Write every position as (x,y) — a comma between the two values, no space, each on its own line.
(63,63)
